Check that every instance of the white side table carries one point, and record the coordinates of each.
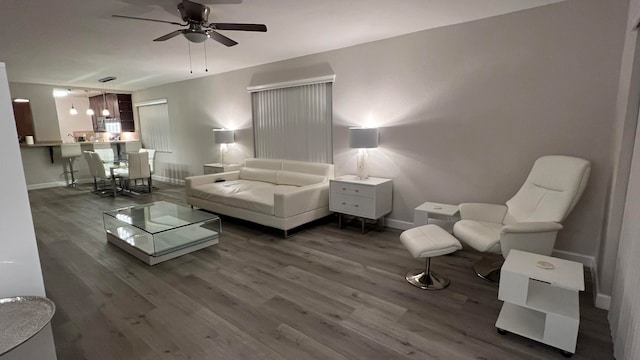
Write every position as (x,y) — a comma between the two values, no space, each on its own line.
(216,168)
(370,198)
(541,303)
(444,215)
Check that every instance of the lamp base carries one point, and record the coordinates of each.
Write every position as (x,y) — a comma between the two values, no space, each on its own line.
(363,166)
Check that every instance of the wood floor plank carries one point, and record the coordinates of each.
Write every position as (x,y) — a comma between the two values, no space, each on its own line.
(324,293)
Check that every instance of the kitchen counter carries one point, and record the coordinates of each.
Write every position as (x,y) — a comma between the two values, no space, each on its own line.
(56,143)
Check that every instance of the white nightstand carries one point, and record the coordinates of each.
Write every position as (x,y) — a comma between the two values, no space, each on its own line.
(220,168)
(367,199)
(540,295)
(444,215)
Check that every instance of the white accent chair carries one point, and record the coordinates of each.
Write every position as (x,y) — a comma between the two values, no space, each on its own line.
(105,150)
(152,161)
(531,219)
(138,169)
(104,175)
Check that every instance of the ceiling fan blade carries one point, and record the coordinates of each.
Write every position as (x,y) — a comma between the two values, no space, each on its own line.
(169,35)
(221,38)
(240,27)
(146,19)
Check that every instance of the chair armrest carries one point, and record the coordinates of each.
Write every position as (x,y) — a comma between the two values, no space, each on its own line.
(534,237)
(193,181)
(483,212)
(306,198)
(532,227)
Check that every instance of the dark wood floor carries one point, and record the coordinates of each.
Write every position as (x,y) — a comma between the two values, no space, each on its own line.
(324,293)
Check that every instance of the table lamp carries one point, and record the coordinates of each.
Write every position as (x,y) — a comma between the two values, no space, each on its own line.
(223,137)
(362,139)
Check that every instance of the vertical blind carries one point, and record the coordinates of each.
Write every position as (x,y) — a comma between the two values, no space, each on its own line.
(294,123)
(624,312)
(154,126)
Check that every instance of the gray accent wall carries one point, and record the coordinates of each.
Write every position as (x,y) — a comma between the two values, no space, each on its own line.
(464,110)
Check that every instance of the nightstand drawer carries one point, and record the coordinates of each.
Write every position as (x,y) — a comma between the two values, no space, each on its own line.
(352,189)
(352,205)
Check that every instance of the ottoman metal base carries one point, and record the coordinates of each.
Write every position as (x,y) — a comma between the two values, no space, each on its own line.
(425,279)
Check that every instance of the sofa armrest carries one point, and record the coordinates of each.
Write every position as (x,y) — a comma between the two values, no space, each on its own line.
(193,181)
(483,212)
(306,198)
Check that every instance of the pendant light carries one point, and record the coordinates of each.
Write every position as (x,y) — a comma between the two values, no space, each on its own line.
(90,111)
(73,110)
(105,111)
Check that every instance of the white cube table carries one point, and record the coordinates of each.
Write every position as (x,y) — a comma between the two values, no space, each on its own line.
(444,215)
(540,295)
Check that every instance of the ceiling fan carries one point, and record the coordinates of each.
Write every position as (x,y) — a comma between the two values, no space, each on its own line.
(196,17)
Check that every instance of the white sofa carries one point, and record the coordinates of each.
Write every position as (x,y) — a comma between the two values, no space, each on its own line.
(282,194)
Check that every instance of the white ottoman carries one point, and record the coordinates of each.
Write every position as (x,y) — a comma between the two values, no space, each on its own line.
(425,242)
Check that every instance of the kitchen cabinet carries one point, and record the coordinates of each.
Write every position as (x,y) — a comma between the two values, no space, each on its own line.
(119,106)
(125,111)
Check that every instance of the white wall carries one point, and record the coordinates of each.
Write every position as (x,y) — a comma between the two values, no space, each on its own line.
(20,272)
(43,108)
(619,273)
(69,123)
(465,109)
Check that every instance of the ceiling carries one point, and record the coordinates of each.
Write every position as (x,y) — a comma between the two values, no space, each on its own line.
(73,43)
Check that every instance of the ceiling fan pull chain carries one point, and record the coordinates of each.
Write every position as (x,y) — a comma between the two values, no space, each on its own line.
(190,65)
(206,65)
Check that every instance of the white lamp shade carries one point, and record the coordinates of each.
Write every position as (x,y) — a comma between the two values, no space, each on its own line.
(223,136)
(361,138)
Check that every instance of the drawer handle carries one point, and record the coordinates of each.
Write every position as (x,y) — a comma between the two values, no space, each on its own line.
(356,205)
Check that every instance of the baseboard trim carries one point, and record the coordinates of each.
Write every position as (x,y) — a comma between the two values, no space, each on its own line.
(168,180)
(46,185)
(398,224)
(56,184)
(588,261)
(603,301)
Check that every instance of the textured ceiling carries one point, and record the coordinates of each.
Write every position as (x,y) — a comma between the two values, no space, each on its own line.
(73,43)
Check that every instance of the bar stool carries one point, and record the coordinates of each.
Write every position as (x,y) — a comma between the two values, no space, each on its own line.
(70,152)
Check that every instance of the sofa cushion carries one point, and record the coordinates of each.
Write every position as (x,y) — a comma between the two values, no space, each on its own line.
(308,167)
(298,179)
(270,164)
(247,173)
(246,194)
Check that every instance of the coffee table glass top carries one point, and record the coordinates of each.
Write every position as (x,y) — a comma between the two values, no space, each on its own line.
(159,216)
(161,227)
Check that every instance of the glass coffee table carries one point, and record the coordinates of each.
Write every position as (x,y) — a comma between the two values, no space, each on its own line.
(161,230)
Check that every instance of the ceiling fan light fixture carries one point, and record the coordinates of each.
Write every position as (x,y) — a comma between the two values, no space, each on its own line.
(195,37)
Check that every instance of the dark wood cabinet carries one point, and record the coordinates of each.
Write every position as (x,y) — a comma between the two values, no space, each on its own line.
(24,119)
(125,110)
(119,106)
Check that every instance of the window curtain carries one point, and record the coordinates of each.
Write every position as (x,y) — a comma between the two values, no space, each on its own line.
(294,123)
(154,126)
